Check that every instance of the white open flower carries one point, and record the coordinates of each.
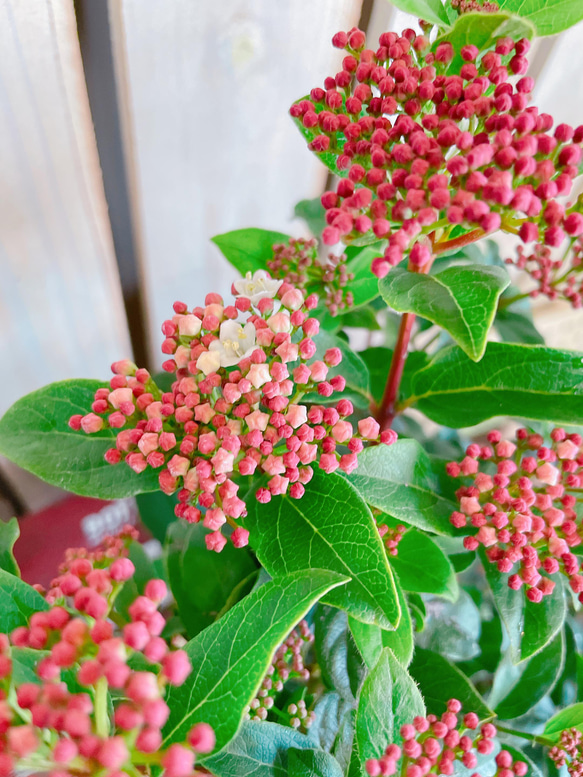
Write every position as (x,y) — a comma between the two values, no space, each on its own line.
(257,286)
(235,343)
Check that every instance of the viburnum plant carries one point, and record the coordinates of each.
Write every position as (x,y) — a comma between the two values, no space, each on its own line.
(371,558)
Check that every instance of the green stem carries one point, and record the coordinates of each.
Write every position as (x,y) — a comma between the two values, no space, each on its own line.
(545,741)
(507,301)
(100,708)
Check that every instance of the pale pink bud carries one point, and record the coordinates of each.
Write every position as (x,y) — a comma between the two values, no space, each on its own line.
(121,570)
(148,443)
(92,423)
(214,519)
(222,462)
(296,415)
(287,352)
(280,322)
(257,420)
(178,466)
(156,590)
(239,538)
(189,325)
(469,505)
(113,753)
(119,396)
(259,375)
(215,541)
(368,428)
(202,738)
(567,450)
(548,474)
(293,299)
(318,371)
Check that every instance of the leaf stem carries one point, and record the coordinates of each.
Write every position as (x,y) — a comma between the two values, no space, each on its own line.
(458,242)
(387,409)
(539,740)
(100,707)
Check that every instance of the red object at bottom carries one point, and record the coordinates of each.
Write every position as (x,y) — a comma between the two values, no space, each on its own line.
(73,522)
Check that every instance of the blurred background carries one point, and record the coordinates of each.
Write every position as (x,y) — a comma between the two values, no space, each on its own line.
(135,130)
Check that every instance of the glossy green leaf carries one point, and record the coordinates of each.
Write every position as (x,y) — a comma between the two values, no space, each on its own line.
(330,527)
(260,749)
(364,286)
(400,480)
(423,567)
(439,681)
(333,728)
(337,653)
(461,300)
(389,699)
(570,717)
(529,626)
(483,30)
(525,381)
(313,213)
(517,327)
(248,250)
(549,17)
(452,628)
(312,763)
(18,601)
(371,640)
(517,689)
(202,583)
(34,434)
(230,657)
(9,533)
(378,361)
(156,511)
(428,10)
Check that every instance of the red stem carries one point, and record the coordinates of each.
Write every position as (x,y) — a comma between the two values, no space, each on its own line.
(387,409)
(458,242)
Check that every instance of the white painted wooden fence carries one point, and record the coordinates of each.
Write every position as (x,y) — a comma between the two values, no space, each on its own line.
(203,90)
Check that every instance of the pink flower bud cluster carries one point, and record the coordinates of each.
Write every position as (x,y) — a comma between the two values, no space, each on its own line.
(469,6)
(523,504)
(80,562)
(73,732)
(427,151)
(569,752)
(287,664)
(297,263)
(432,745)
(391,536)
(557,277)
(235,407)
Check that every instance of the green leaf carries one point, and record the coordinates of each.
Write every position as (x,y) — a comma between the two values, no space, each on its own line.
(9,533)
(34,433)
(517,327)
(428,10)
(399,479)
(18,601)
(570,717)
(230,657)
(352,369)
(452,628)
(389,699)
(25,662)
(378,361)
(461,300)
(259,750)
(483,30)
(330,527)
(364,286)
(202,583)
(517,689)
(361,318)
(248,250)
(370,639)
(156,511)
(337,653)
(313,213)
(312,763)
(525,381)
(530,626)
(519,755)
(549,17)
(423,567)
(439,681)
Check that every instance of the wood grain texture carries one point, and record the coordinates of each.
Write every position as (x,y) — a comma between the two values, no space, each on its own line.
(210,146)
(61,311)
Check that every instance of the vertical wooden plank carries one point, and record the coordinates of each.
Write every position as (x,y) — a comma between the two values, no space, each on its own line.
(61,311)
(206,88)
